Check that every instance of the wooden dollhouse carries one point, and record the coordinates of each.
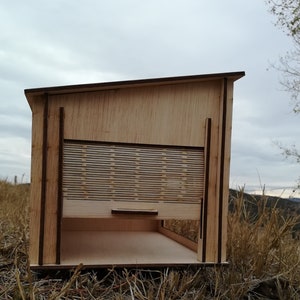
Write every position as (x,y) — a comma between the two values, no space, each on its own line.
(113,162)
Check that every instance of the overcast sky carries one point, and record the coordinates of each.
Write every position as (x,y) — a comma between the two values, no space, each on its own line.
(60,42)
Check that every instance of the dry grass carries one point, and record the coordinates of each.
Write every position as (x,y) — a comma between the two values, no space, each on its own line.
(264,262)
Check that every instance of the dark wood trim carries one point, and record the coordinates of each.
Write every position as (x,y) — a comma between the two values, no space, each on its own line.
(60,183)
(201,219)
(58,90)
(85,142)
(222,170)
(205,199)
(140,212)
(134,266)
(44,181)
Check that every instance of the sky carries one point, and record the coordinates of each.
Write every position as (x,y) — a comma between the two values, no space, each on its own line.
(61,42)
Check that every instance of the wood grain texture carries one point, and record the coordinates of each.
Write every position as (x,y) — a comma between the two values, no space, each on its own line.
(169,113)
(123,248)
(80,88)
(227,152)
(50,235)
(179,239)
(120,224)
(132,172)
(36,178)
(163,115)
(213,190)
(102,209)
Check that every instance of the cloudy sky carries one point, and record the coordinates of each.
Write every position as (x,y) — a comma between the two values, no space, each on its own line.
(60,42)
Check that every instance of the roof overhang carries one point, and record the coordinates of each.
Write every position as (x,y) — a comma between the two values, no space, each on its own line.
(79,88)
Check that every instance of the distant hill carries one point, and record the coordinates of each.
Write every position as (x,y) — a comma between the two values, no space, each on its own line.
(253,203)
(295,200)
(290,206)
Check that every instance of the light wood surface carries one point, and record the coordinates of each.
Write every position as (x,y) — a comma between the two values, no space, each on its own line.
(178,238)
(227,167)
(168,113)
(122,248)
(36,178)
(97,224)
(102,209)
(163,115)
(132,172)
(52,188)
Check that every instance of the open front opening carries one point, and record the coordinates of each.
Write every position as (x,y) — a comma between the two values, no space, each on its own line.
(122,242)
(120,202)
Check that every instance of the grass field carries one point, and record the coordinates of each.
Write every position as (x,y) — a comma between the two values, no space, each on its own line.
(264,261)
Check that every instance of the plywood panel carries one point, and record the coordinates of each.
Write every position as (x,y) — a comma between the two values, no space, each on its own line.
(179,238)
(166,115)
(215,249)
(50,233)
(91,224)
(226,168)
(36,178)
(122,248)
(132,172)
(102,209)
(211,247)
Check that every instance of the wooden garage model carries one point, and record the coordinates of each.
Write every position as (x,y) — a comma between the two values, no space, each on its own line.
(113,162)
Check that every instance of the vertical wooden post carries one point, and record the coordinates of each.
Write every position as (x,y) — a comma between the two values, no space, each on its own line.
(222,170)
(44,181)
(59,183)
(205,199)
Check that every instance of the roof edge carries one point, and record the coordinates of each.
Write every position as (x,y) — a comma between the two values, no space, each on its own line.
(65,89)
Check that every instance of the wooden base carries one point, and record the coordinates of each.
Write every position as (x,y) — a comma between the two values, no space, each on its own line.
(127,248)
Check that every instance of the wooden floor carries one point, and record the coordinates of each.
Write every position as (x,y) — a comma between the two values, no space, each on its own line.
(122,248)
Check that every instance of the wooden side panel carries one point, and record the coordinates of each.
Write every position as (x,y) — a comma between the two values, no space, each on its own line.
(179,238)
(226,174)
(215,250)
(221,169)
(98,224)
(211,251)
(37,107)
(164,115)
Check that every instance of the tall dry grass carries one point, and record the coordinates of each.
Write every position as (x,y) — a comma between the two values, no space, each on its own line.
(264,262)
(15,277)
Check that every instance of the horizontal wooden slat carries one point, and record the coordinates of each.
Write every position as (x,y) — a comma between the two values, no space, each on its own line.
(99,209)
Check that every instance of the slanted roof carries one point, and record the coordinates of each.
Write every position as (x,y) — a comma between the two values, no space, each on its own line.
(66,89)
